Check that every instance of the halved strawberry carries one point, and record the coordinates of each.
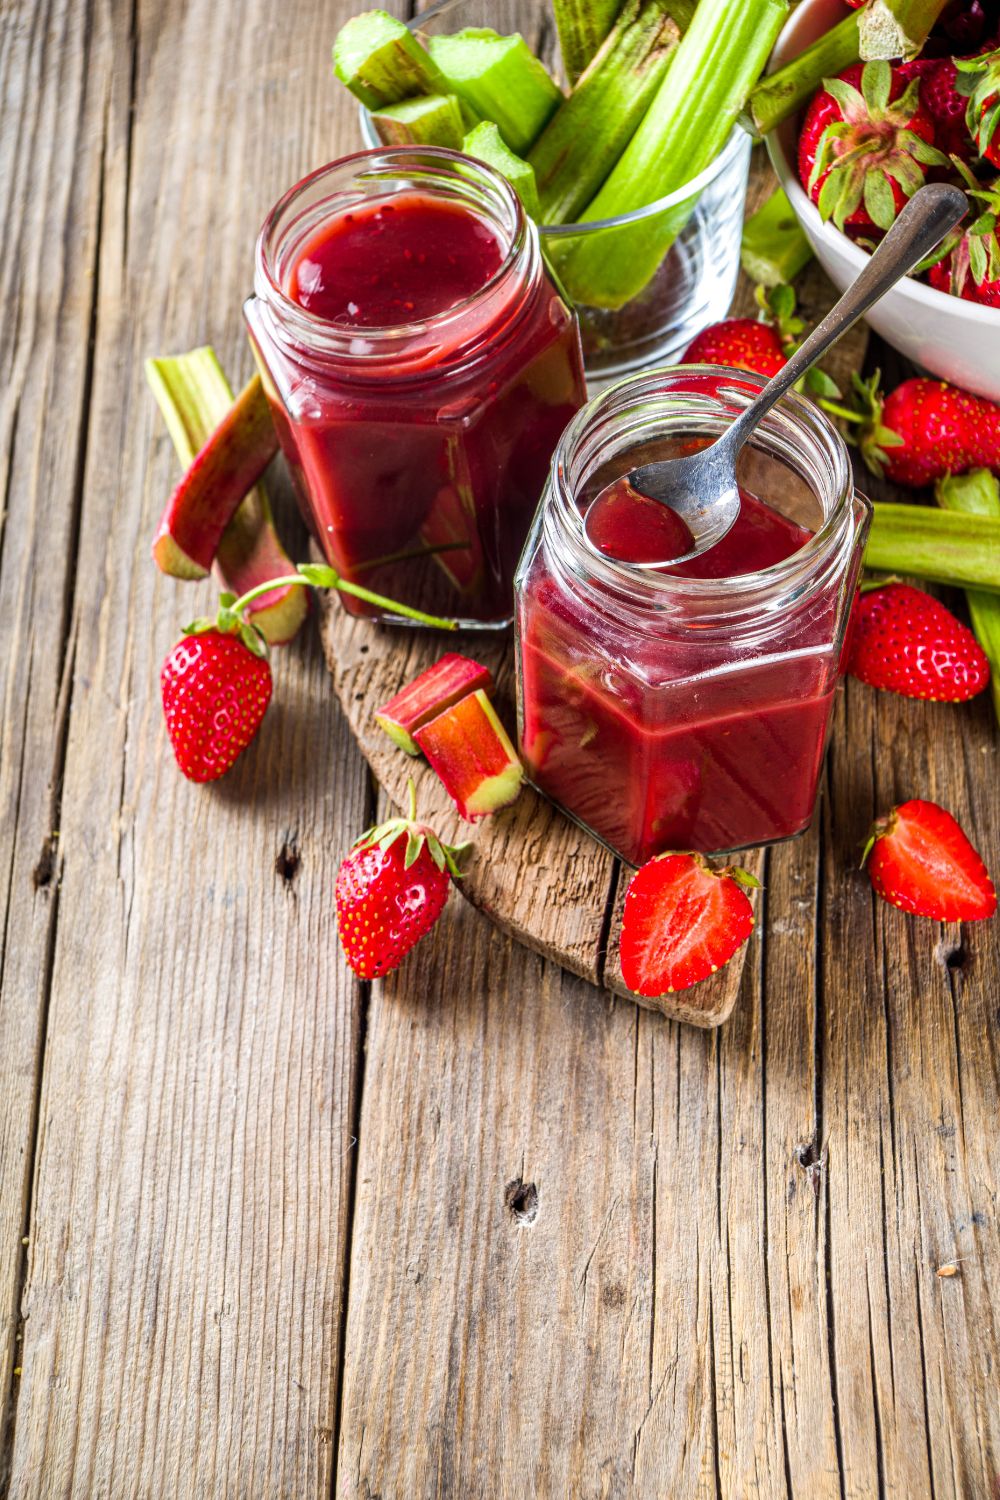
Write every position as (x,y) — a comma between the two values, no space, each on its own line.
(920,860)
(682,921)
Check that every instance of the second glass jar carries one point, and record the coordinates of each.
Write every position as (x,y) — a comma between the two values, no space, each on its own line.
(419,448)
(665,711)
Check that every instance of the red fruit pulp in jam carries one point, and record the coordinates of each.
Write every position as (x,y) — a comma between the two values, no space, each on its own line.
(396,262)
(689,746)
(420,474)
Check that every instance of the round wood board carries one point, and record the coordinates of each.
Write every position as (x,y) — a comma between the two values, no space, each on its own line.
(532,871)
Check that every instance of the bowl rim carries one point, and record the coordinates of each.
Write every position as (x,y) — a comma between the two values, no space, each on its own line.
(915,292)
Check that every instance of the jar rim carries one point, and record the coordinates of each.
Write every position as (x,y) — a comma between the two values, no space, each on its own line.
(658,386)
(387,162)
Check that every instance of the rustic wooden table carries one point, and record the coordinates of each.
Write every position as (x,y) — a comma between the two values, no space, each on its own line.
(480,1230)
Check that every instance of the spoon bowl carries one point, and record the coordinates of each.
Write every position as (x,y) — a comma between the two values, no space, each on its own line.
(701,487)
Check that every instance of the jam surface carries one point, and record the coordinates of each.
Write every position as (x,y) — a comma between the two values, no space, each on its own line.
(395,261)
(676,740)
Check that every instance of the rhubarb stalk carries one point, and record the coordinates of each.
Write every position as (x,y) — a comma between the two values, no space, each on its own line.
(194,396)
(719,59)
(582,26)
(978,494)
(431,120)
(486,144)
(785,91)
(500,79)
(896,28)
(774,248)
(590,130)
(381,62)
(942,546)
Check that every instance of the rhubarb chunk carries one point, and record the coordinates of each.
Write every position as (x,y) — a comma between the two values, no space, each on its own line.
(432,120)
(500,79)
(194,395)
(469,749)
(380,61)
(486,144)
(450,680)
(229,465)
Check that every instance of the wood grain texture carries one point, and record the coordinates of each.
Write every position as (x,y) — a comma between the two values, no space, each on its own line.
(181,1309)
(593,1252)
(50,223)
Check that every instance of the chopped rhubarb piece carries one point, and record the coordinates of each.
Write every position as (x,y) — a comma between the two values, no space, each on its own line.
(469,749)
(227,467)
(194,395)
(439,688)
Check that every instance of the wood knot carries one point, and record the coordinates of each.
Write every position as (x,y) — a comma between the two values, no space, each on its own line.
(812,1160)
(521,1200)
(288,860)
(44,872)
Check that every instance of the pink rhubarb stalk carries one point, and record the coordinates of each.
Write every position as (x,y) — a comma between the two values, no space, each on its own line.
(468,748)
(444,684)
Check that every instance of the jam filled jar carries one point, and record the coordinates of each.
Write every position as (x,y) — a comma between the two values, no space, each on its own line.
(420,366)
(686,707)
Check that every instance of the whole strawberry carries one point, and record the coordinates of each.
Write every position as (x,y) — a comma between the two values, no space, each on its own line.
(865,141)
(215,684)
(979,79)
(391,889)
(940,96)
(925,429)
(741,342)
(920,860)
(970,264)
(682,921)
(905,641)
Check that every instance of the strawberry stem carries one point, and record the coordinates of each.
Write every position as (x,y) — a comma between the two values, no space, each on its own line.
(320,576)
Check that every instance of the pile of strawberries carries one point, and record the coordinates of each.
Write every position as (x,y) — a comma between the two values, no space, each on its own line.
(877,132)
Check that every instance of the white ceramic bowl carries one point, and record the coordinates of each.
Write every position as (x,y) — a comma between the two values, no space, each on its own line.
(954,339)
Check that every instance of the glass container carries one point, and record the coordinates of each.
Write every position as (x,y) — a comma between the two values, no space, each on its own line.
(675,712)
(419,449)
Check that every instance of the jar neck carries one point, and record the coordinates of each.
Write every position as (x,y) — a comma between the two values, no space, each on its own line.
(696,401)
(448,342)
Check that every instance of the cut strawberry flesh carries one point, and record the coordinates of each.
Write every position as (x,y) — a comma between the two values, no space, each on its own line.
(208,496)
(923,863)
(451,679)
(469,749)
(682,922)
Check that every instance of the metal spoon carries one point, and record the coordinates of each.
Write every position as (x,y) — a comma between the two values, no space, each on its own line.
(701,487)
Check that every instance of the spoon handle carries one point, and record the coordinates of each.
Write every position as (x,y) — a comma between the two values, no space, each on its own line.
(923,223)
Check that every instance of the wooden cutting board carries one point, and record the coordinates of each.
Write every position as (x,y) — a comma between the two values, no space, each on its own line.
(532,871)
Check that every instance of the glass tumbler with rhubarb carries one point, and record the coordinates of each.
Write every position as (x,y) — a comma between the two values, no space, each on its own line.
(420,366)
(686,707)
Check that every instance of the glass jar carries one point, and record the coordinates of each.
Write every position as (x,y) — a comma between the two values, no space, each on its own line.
(419,450)
(676,712)
(695,231)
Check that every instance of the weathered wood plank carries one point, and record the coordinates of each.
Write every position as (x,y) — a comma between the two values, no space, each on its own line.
(189,1217)
(50,212)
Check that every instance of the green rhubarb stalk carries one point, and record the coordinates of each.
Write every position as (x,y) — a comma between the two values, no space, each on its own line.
(194,396)
(499,78)
(978,494)
(381,62)
(774,248)
(719,59)
(785,91)
(896,28)
(590,130)
(941,546)
(582,26)
(486,144)
(430,120)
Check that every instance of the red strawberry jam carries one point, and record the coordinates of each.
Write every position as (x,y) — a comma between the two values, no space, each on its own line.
(675,740)
(421,366)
